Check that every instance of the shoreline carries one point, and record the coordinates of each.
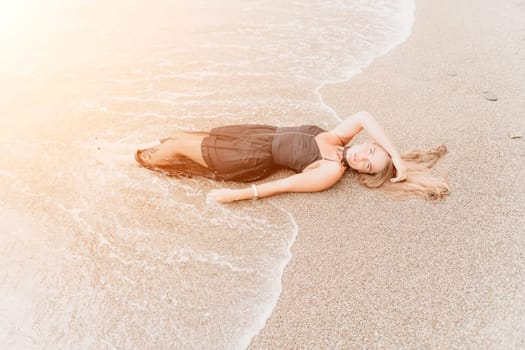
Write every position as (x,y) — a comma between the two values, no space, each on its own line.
(390,274)
(355,72)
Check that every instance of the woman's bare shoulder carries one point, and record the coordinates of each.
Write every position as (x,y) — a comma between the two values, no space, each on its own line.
(331,165)
(330,138)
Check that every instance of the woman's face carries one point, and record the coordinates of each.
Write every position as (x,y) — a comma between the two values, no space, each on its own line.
(367,157)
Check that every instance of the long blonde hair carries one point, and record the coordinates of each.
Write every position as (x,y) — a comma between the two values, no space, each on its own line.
(422,181)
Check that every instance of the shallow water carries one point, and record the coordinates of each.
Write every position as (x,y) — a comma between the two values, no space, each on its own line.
(96,253)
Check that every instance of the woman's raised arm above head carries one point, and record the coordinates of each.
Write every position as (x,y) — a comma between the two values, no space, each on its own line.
(352,125)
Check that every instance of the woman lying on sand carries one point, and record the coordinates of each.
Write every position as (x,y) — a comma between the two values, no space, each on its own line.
(246,153)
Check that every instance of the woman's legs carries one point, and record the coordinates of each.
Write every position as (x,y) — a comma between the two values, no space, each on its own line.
(181,144)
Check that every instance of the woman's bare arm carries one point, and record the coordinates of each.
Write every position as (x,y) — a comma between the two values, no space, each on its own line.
(365,121)
(315,180)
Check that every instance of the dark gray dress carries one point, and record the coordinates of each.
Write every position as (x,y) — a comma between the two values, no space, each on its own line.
(247,153)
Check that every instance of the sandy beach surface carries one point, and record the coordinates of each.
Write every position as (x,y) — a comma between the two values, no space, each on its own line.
(368,272)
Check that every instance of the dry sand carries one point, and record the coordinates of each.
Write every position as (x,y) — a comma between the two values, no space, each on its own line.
(368,272)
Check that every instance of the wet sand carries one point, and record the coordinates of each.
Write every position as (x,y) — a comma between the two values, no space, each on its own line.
(369,272)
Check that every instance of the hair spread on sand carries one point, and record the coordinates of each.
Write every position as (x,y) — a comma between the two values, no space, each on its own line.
(422,181)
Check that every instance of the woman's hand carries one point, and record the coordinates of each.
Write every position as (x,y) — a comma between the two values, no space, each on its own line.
(401,171)
(223,195)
